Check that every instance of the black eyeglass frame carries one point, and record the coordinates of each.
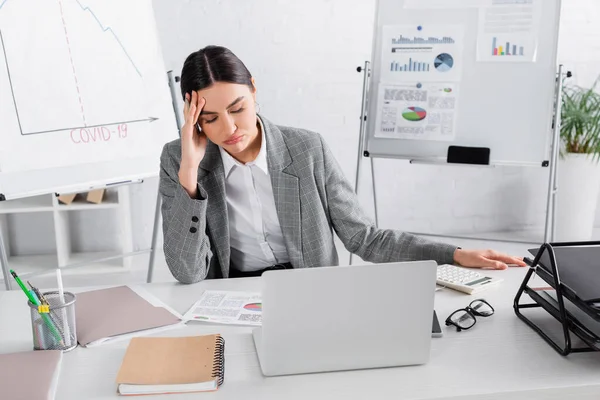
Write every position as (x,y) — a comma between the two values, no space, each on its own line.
(472,312)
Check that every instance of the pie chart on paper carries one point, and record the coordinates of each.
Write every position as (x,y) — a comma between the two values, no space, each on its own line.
(414,114)
(443,62)
(253,307)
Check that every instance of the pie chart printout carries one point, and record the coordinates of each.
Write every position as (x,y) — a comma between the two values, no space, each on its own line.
(414,114)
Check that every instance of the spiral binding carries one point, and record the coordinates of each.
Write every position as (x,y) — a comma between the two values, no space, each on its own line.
(219,361)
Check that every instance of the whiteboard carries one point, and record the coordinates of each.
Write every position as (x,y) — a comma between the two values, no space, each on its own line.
(504,106)
(84,96)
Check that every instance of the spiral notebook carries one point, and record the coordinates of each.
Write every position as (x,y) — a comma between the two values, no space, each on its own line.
(157,365)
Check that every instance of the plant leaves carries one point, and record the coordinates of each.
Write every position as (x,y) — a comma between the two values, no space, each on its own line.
(580,120)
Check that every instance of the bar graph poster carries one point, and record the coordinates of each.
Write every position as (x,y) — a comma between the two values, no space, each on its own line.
(417,111)
(508,31)
(430,53)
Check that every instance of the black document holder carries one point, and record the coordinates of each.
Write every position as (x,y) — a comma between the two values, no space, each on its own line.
(573,271)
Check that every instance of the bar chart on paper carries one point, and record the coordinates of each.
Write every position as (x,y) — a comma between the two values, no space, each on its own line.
(412,53)
(422,40)
(506,48)
(409,66)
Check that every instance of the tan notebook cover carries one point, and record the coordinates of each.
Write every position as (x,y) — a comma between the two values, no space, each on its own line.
(116,311)
(173,361)
(19,370)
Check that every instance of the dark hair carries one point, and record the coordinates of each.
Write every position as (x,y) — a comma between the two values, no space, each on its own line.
(213,64)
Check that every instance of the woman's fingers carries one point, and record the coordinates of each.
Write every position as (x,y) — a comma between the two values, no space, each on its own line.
(495,264)
(192,109)
(201,103)
(509,259)
(193,105)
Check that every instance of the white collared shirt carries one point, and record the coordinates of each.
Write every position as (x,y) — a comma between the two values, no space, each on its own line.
(254,232)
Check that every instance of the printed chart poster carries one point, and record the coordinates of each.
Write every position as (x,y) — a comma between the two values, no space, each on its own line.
(427,112)
(430,53)
(508,31)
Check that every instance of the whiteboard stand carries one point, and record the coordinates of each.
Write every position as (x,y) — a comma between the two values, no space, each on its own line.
(361,137)
(157,217)
(549,229)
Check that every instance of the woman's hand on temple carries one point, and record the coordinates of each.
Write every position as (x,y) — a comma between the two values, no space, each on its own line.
(193,143)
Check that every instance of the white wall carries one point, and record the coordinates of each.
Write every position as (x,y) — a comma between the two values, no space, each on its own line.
(304,55)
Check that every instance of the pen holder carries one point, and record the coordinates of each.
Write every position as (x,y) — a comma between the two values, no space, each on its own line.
(54,325)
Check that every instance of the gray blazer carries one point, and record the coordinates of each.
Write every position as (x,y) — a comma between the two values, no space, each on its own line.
(312,198)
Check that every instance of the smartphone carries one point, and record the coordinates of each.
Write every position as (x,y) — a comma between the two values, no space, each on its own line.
(436,329)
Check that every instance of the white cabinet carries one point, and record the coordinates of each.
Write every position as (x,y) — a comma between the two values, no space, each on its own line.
(116,199)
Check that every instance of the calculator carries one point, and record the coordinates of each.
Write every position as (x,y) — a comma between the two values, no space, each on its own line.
(464,280)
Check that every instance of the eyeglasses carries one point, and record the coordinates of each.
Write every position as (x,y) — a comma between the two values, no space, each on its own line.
(464,318)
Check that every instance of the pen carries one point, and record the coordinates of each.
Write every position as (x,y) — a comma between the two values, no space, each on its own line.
(39,295)
(36,294)
(36,303)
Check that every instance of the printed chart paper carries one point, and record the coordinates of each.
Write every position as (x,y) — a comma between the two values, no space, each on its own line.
(430,53)
(508,31)
(227,307)
(427,112)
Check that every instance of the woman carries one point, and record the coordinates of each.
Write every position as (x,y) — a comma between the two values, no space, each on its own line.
(242,195)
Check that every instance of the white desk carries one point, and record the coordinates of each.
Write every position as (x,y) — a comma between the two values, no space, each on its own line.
(500,358)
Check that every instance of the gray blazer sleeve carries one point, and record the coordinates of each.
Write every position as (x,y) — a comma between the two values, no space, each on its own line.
(358,232)
(186,244)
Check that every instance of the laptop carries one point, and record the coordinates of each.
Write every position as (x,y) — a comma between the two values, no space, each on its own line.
(345,318)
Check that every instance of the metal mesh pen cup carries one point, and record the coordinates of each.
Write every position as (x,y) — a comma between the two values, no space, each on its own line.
(54,326)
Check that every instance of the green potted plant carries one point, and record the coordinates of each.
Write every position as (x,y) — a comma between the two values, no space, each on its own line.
(578,168)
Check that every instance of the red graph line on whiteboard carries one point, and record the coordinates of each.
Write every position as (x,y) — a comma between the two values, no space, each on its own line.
(72,64)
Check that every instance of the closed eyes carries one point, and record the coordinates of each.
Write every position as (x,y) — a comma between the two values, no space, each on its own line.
(239,110)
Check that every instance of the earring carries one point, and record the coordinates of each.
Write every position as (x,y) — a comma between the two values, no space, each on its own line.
(257,107)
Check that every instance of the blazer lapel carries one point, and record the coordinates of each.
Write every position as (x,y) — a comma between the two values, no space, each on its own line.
(286,190)
(212,179)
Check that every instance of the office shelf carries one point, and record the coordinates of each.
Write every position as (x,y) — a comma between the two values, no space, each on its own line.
(116,199)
